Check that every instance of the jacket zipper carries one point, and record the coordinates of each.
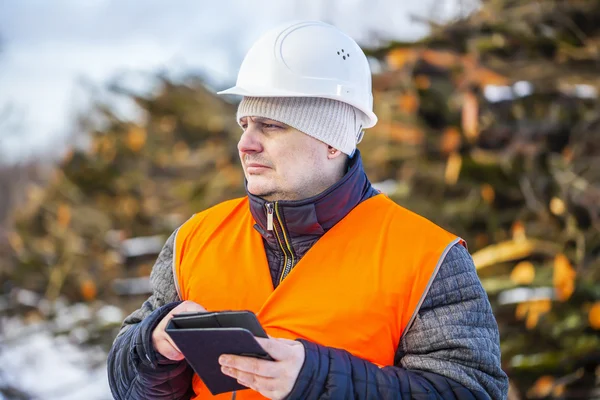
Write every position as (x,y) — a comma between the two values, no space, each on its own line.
(289,264)
(284,244)
(269,207)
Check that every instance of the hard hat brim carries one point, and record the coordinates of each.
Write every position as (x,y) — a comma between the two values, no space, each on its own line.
(272,92)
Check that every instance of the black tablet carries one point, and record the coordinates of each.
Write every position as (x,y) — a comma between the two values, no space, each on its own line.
(204,337)
(222,319)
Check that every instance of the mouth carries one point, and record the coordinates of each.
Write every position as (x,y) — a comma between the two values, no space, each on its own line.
(256,165)
(255,168)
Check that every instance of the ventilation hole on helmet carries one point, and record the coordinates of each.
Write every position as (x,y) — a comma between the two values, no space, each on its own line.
(342,50)
(348,55)
(338,53)
(344,57)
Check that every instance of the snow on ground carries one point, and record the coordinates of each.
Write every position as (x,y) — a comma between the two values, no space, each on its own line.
(48,366)
(53,369)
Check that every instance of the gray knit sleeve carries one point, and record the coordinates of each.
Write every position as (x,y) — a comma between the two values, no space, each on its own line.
(163,285)
(455,333)
(135,369)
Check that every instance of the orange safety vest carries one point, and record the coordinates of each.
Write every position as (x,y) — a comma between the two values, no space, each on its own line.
(358,288)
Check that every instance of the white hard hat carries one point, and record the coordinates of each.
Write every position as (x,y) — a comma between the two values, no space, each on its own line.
(307,59)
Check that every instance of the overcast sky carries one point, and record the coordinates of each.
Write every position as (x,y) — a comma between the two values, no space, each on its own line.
(48,48)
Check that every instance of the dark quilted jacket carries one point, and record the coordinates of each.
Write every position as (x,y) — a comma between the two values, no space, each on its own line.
(450,352)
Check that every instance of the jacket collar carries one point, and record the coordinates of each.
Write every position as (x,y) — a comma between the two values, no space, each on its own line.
(316,215)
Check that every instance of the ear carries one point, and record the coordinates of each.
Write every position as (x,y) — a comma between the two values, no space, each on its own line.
(332,152)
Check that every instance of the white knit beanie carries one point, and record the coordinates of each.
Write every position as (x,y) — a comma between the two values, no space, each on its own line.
(330,121)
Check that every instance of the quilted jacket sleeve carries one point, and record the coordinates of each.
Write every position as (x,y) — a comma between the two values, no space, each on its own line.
(135,369)
(450,352)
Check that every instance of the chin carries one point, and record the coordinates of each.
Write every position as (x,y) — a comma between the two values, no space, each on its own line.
(258,188)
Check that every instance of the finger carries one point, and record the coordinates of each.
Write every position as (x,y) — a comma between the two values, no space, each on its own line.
(162,343)
(255,366)
(162,333)
(276,348)
(288,341)
(255,382)
(171,342)
(169,350)
(245,378)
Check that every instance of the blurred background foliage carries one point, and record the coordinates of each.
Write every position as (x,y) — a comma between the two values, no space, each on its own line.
(489,126)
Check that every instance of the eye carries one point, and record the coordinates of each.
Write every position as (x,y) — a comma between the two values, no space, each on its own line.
(244,126)
(271,126)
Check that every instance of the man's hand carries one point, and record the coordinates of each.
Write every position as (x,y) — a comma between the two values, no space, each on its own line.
(272,379)
(162,341)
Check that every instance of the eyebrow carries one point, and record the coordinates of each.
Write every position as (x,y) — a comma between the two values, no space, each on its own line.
(263,120)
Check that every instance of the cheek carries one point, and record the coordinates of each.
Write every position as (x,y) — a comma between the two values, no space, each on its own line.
(291,160)
(294,161)
(299,170)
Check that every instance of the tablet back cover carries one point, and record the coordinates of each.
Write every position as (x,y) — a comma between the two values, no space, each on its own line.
(203,347)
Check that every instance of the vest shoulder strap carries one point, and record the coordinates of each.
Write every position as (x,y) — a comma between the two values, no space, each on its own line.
(210,217)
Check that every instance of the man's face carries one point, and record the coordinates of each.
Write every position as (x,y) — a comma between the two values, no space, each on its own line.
(282,163)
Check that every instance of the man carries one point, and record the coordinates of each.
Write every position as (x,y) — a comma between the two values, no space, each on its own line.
(361,298)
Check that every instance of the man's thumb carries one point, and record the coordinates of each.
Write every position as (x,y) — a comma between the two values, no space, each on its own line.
(276,349)
(191,306)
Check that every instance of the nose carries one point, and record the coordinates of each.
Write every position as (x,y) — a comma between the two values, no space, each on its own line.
(250,141)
